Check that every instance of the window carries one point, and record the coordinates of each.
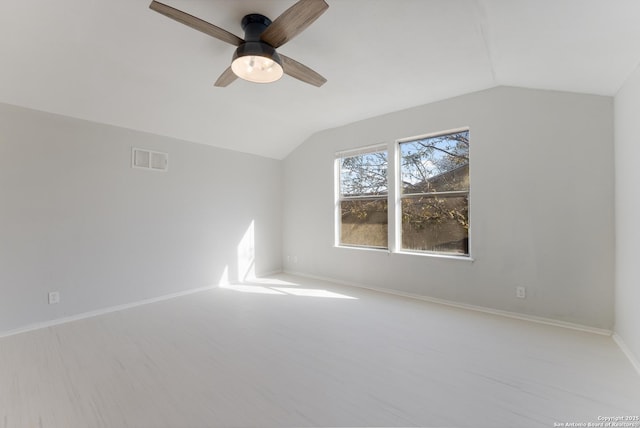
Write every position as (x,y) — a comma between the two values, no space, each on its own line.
(434,177)
(362,198)
(428,206)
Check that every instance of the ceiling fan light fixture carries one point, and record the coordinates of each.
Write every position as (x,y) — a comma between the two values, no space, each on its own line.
(257,62)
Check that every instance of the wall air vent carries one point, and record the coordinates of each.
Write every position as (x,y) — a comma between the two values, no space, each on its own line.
(149,159)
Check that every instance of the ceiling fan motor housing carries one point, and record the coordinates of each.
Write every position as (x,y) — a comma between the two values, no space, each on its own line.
(254,25)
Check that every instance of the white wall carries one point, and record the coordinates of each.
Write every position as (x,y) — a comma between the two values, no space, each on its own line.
(76,218)
(627,208)
(541,205)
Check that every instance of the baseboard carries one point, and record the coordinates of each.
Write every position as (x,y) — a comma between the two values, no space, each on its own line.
(508,314)
(625,349)
(515,315)
(270,273)
(58,321)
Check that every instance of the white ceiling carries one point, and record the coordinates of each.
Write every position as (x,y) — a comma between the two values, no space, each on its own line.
(117,62)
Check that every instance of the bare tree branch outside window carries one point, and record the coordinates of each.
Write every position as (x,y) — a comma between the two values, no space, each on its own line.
(435,185)
(434,195)
(363,206)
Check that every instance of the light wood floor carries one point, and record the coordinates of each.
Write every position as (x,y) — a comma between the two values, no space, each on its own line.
(291,352)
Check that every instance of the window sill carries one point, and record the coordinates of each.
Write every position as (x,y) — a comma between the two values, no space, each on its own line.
(373,249)
(436,256)
(407,253)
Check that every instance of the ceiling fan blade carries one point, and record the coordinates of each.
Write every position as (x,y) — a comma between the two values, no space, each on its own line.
(226,78)
(301,72)
(196,23)
(293,21)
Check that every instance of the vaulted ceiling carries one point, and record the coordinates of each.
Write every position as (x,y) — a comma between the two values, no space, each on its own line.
(117,62)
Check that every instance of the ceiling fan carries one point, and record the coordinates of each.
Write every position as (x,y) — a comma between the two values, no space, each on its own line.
(255,58)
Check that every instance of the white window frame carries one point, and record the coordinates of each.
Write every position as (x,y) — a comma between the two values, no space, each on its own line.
(339,198)
(394,195)
(397,173)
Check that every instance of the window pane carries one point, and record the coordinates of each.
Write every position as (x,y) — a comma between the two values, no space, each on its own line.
(364,175)
(436,224)
(435,164)
(364,222)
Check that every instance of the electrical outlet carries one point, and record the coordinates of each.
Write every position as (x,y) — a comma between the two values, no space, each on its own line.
(54,297)
(521,292)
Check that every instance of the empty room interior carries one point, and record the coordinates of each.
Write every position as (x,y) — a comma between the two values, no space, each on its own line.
(340,213)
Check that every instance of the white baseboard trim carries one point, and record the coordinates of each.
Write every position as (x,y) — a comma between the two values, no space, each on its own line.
(508,314)
(57,321)
(532,318)
(270,273)
(627,352)
(64,320)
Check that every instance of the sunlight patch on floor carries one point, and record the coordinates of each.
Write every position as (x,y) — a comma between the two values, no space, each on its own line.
(310,292)
(275,287)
